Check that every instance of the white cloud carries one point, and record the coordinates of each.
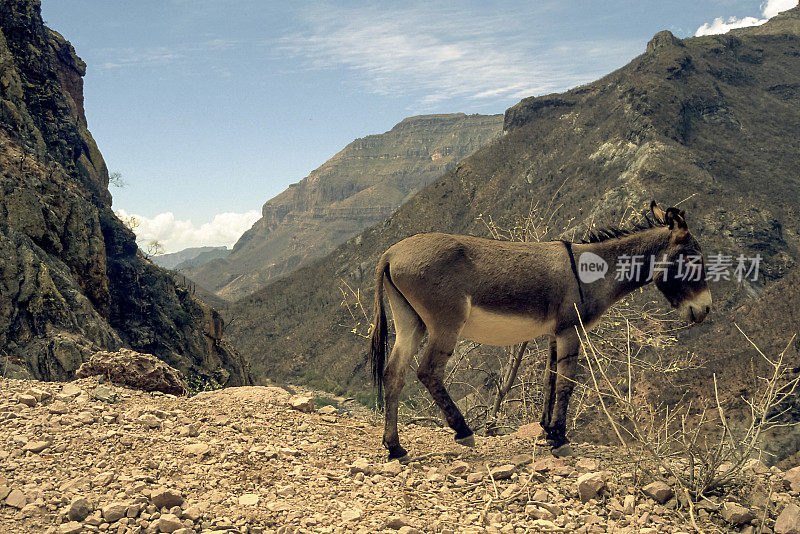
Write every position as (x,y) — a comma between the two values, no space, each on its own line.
(441,53)
(225,229)
(118,58)
(769,9)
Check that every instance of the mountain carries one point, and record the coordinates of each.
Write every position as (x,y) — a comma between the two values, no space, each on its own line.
(712,122)
(71,278)
(190,257)
(358,187)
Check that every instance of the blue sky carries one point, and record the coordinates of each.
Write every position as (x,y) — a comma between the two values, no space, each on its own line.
(209,108)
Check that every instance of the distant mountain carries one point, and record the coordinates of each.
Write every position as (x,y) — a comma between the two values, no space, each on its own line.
(190,257)
(358,187)
(711,121)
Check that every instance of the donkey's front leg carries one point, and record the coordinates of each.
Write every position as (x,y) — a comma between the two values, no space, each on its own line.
(431,373)
(566,366)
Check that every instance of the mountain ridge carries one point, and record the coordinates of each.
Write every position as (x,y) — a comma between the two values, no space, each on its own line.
(359,186)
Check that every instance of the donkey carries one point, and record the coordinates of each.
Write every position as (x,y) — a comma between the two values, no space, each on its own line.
(502,293)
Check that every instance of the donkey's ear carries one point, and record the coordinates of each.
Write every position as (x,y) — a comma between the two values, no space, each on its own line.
(677,224)
(674,218)
(658,214)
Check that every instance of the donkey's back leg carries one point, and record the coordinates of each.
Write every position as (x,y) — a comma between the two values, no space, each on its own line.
(431,373)
(409,332)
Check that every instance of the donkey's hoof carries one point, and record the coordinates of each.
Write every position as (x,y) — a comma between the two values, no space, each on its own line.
(397,453)
(467,441)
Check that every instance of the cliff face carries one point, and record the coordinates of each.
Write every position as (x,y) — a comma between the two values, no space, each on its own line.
(71,278)
(710,121)
(358,187)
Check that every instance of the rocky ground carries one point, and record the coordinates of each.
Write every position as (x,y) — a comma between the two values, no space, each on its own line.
(91,457)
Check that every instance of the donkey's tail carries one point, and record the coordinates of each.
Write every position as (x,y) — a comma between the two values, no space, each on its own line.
(380,342)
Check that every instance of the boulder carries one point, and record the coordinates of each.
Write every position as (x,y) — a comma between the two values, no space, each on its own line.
(166,498)
(79,509)
(589,485)
(788,521)
(659,491)
(136,370)
(791,479)
(736,514)
(302,403)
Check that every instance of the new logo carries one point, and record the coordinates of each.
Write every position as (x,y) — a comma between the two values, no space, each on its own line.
(591,267)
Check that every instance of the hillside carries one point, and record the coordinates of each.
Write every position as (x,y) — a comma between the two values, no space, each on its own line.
(189,257)
(710,121)
(358,187)
(71,278)
(239,460)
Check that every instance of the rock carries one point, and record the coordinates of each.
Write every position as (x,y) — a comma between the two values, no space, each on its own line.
(361,465)
(248,499)
(408,530)
(521,459)
(27,400)
(136,370)
(788,521)
(629,505)
(475,477)
(149,420)
(16,499)
(114,512)
(73,527)
(302,403)
(103,479)
(104,394)
(392,468)
(198,449)
(589,484)
(396,522)
(585,465)
(736,514)
(529,431)
(35,446)
(79,509)
(503,472)
(659,491)
(166,497)
(39,394)
(661,40)
(168,523)
(327,410)
(459,468)
(791,478)
(194,512)
(71,390)
(756,466)
(562,451)
(350,514)
(58,407)
(188,431)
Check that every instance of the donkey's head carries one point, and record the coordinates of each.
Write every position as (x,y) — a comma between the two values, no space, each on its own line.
(682,277)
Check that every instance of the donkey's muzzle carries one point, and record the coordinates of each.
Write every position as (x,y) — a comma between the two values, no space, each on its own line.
(694,310)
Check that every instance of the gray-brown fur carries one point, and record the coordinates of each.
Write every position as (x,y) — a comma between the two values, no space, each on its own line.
(502,292)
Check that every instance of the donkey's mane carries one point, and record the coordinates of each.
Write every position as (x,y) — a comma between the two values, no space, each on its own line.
(613,232)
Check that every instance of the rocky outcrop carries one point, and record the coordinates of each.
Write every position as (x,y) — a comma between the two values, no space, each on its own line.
(135,370)
(358,187)
(72,281)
